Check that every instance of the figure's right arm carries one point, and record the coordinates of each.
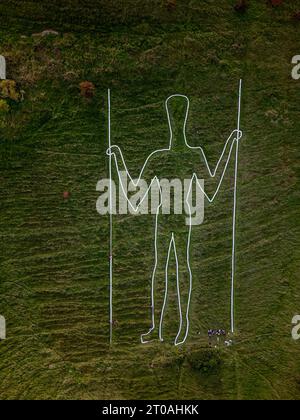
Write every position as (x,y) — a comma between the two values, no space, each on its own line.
(115,152)
(127,182)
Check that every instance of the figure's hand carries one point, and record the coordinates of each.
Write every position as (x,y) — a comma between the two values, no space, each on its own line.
(237,134)
(113,150)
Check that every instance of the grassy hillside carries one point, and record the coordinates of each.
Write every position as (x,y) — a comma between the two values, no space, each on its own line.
(54,252)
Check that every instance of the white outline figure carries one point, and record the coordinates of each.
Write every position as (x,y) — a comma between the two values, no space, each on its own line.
(111,153)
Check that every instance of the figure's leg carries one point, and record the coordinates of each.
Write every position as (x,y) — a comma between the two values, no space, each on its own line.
(170,247)
(184,284)
(158,284)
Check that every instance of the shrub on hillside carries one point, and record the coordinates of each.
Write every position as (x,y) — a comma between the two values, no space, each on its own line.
(205,361)
(4,107)
(10,90)
(275,2)
(171,5)
(241,6)
(87,89)
(296,16)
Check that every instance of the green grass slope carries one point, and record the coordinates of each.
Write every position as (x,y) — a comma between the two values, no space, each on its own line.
(54,252)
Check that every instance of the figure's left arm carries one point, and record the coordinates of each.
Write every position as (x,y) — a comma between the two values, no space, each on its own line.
(215,177)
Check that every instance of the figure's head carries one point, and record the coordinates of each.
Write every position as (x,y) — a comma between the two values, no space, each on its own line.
(177,109)
(177,106)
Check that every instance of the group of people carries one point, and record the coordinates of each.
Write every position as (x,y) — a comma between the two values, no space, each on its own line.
(218,333)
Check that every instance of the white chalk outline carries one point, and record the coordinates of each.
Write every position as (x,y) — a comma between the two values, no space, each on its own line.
(110,227)
(234,217)
(212,174)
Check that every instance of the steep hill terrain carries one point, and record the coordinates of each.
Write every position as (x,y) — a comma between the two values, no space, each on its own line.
(54,259)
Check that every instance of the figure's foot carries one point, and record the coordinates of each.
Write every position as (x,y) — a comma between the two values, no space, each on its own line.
(182,335)
(152,335)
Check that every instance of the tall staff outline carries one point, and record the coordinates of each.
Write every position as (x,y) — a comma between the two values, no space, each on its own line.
(110,227)
(234,219)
